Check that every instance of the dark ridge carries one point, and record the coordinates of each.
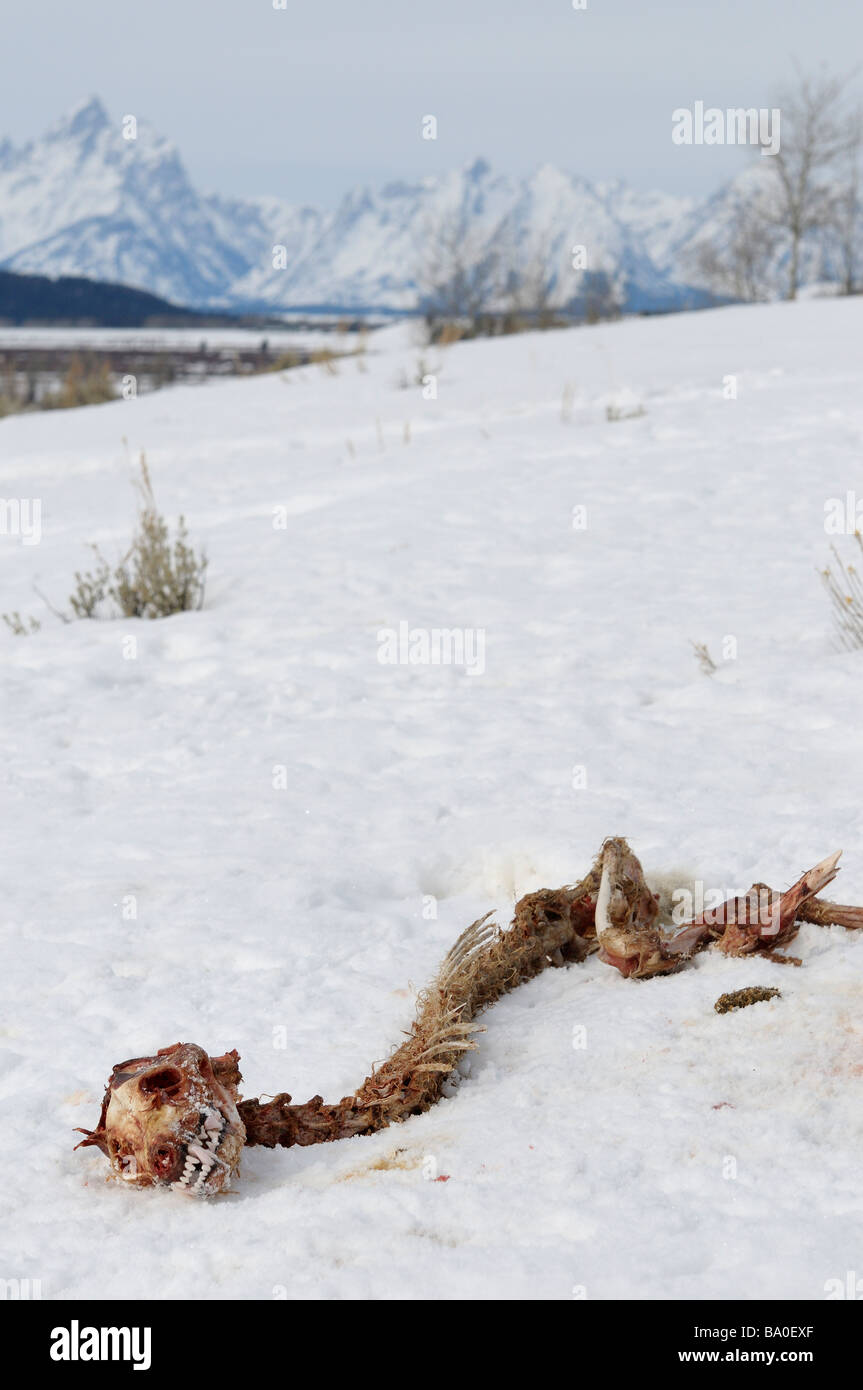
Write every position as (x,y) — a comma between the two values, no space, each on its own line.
(35,300)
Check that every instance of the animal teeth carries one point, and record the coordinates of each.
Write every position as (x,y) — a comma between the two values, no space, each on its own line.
(201,1157)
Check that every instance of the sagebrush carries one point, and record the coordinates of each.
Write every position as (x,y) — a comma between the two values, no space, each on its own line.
(159,574)
(845,590)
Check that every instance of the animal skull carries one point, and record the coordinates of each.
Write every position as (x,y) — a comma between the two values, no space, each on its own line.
(172,1120)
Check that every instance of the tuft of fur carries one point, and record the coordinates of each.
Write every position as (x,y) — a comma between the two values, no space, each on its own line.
(550,928)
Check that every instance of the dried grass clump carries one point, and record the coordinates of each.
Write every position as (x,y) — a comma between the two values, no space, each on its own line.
(20,627)
(157,576)
(83,384)
(285,362)
(845,591)
(86,381)
(704,659)
(10,398)
(624,410)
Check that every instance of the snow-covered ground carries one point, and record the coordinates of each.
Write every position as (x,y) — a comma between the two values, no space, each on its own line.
(676,1153)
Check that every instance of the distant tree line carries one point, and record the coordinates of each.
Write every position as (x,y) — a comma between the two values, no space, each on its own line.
(94,303)
(472,283)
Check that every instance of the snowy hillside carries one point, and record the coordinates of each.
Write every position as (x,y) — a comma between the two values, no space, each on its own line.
(162,884)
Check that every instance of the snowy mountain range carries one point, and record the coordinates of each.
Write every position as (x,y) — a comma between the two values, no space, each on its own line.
(85,200)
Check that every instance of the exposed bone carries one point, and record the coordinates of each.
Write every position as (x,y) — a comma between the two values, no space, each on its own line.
(154,1116)
(175,1118)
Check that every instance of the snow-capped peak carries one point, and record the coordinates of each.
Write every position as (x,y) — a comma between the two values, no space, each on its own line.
(84,118)
(92,198)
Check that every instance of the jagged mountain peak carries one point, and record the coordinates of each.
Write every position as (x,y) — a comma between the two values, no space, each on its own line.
(477,169)
(84,200)
(84,118)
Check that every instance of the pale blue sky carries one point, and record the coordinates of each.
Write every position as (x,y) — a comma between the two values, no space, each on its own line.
(308,101)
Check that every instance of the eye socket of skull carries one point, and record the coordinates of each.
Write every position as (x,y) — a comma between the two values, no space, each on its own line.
(166,1083)
(165,1160)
